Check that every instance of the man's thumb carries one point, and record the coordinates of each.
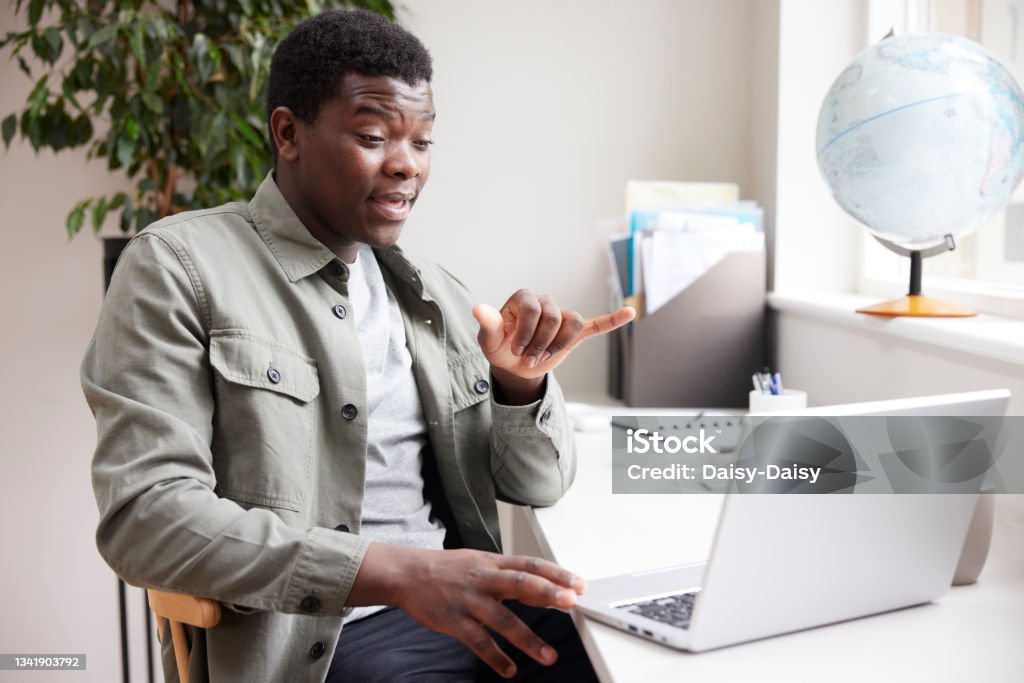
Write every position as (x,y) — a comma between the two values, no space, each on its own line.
(492,327)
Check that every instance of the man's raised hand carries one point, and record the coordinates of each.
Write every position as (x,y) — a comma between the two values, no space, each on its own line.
(531,335)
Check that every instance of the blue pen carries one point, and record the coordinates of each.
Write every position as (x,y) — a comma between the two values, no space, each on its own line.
(777,383)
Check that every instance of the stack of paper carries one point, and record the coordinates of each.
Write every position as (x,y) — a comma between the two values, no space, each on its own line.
(673,233)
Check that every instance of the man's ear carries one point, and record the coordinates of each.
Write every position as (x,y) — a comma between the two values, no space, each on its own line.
(284,127)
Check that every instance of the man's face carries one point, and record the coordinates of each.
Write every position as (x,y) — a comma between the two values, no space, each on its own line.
(359,167)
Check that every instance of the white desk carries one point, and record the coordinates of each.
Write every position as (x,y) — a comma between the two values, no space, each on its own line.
(973,634)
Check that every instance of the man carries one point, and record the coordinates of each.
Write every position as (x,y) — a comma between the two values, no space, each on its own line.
(295,417)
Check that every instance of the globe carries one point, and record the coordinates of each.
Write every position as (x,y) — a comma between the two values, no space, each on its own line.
(922,136)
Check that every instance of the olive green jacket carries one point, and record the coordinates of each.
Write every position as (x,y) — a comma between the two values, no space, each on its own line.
(229,393)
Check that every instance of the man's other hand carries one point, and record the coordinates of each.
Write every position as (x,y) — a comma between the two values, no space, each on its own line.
(460,592)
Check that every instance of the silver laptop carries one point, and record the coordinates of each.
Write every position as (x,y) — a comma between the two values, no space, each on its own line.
(783,563)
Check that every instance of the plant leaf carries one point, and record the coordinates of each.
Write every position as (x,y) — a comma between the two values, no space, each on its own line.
(10,125)
(37,98)
(135,39)
(152,102)
(35,11)
(126,215)
(131,126)
(247,131)
(55,43)
(75,219)
(104,35)
(99,214)
(144,217)
(125,152)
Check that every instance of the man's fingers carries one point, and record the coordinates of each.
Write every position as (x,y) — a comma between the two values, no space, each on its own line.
(549,322)
(529,331)
(492,331)
(543,568)
(531,589)
(603,324)
(568,333)
(483,646)
(525,307)
(501,620)
(533,581)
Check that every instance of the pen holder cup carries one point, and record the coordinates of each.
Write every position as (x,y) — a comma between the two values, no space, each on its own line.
(789,399)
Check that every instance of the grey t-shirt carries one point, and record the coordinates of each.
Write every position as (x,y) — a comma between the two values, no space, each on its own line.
(394,508)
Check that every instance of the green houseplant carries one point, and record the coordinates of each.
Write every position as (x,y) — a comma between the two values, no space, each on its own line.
(169,92)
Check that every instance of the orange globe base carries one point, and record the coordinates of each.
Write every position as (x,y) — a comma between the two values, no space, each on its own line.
(918,306)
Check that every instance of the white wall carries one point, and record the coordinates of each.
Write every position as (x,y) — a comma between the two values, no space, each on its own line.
(545,109)
(814,237)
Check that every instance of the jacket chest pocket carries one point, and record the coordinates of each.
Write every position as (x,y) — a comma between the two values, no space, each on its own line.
(265,419)
(470,377)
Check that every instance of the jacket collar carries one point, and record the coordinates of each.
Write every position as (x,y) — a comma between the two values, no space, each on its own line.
(299,253)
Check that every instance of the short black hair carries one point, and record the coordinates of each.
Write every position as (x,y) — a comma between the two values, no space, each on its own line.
(309,65)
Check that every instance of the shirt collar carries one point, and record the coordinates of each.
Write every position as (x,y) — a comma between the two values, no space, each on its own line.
(299,253)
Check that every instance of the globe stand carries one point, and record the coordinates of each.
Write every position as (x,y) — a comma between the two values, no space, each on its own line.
(914,304)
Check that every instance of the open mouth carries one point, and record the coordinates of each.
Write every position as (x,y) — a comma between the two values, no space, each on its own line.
(392,206)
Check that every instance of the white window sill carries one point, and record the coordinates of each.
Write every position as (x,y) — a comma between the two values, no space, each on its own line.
(985,335)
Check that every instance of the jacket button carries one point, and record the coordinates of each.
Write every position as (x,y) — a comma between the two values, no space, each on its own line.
(481,386)
(309,604)
(349,411)
(340,311)
(318,649)
(274,376)
(545,416)
(336,269)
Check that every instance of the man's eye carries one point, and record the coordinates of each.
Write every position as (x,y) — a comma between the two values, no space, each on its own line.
(371,138)
(423,144)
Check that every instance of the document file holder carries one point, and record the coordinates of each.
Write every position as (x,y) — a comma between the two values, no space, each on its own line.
(701,347)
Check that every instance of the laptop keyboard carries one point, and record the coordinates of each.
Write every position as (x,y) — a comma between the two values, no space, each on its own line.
(674,610)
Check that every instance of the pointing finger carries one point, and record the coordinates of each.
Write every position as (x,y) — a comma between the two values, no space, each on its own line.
(603,324)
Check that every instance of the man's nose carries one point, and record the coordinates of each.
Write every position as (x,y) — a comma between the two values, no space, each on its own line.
(402,162)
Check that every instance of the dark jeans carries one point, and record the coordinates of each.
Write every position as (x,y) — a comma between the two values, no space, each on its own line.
(391,646)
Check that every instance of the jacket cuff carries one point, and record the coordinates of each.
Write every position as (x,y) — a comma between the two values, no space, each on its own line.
(545,415)
(323,575)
